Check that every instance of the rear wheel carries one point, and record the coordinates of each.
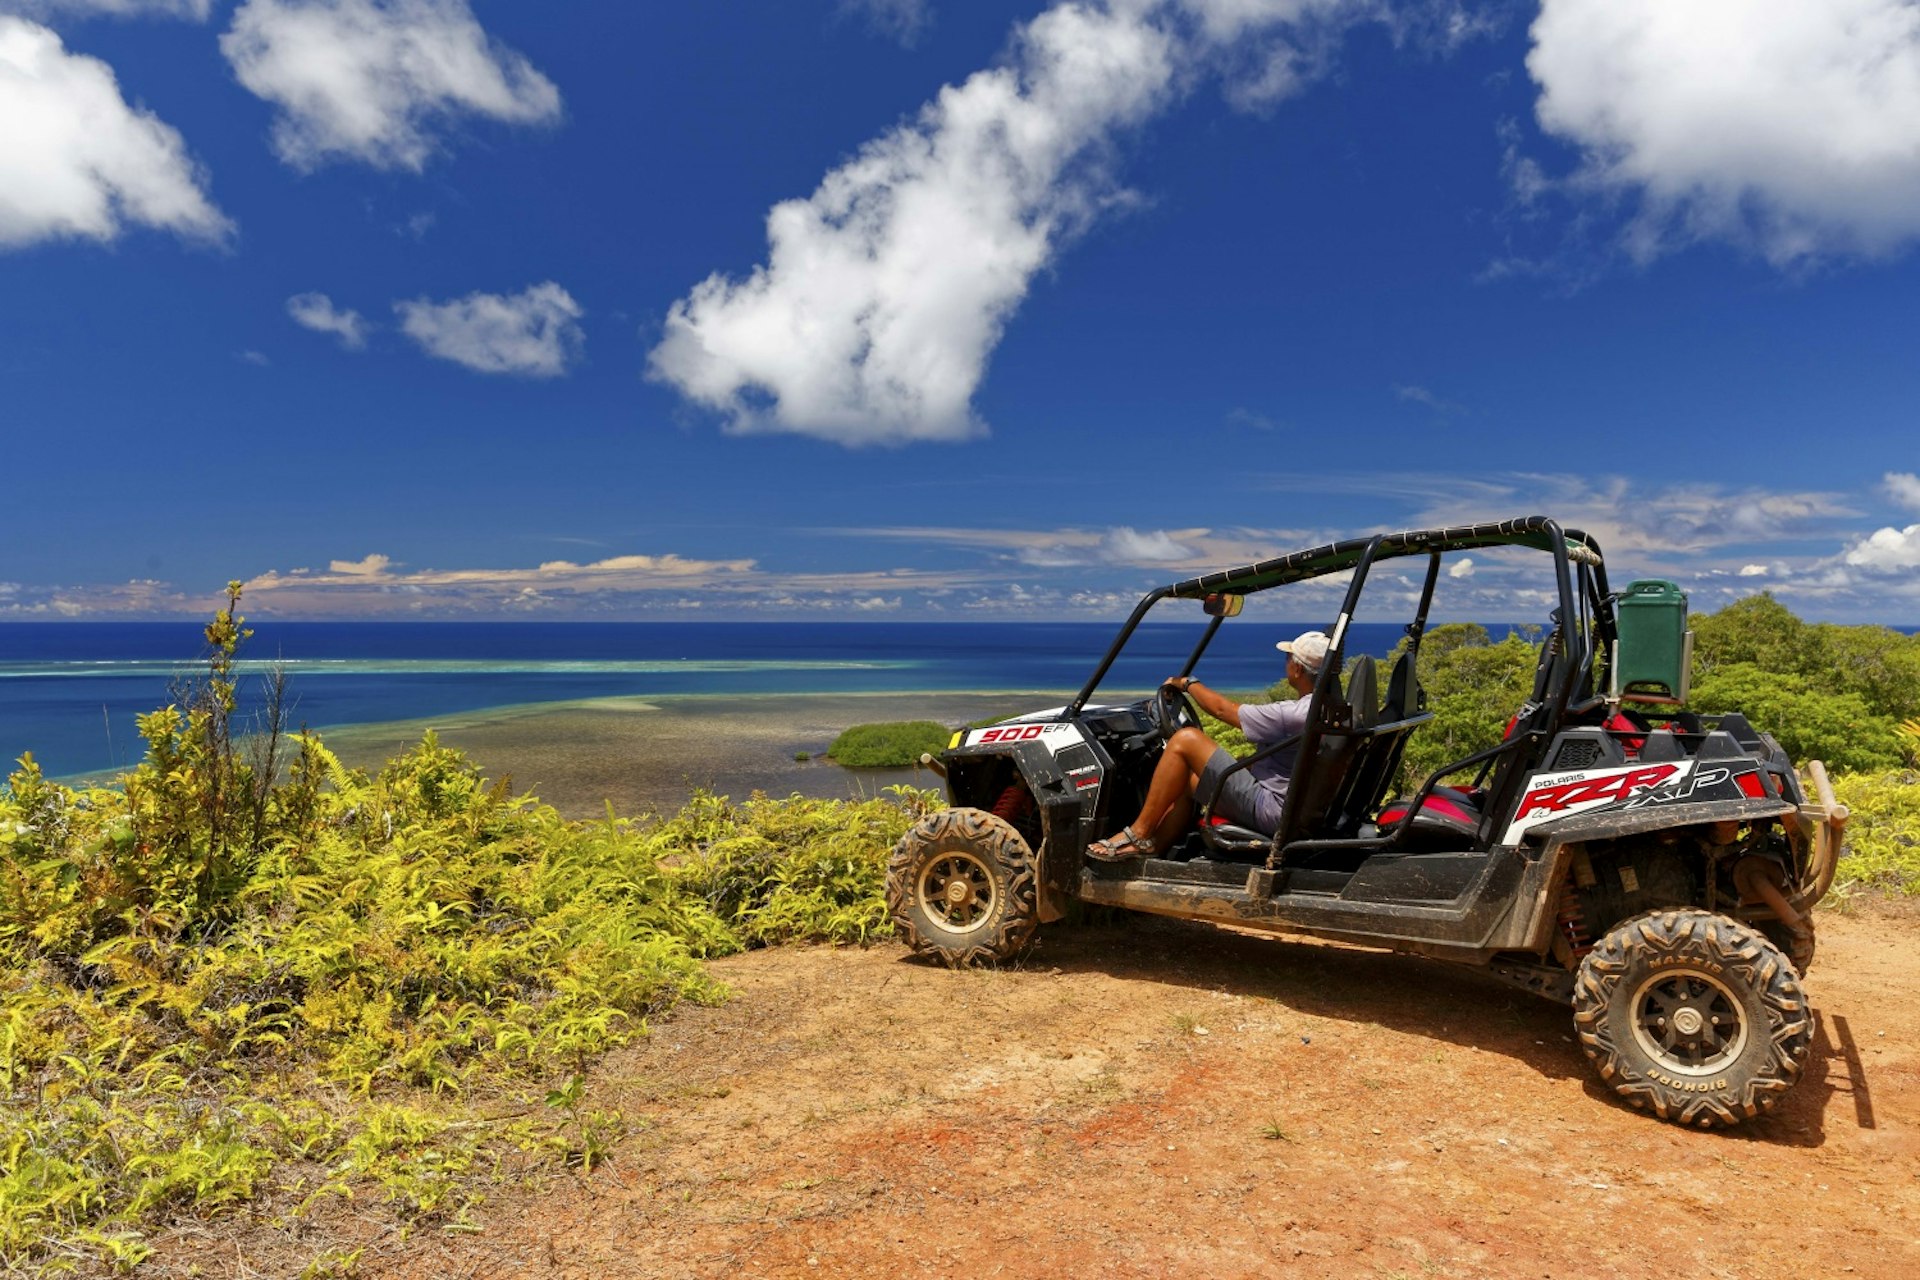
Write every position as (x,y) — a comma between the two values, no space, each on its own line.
(960,886)
(1694,1017)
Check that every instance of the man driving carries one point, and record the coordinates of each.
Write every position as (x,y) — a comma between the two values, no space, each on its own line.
(1193,766)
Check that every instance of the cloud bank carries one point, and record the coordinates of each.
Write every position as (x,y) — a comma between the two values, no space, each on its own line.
(76,162)
(534,333)
(1791,127)
(193,10)
(378,81)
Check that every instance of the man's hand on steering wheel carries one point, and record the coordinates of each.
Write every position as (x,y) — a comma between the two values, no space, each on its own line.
(1171,703)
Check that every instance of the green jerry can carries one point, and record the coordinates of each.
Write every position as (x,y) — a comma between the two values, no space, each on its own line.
(1654,658)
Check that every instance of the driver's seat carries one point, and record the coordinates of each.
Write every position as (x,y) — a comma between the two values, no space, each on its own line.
(1318,777)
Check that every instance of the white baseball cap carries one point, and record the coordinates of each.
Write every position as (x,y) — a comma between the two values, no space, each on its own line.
(1309,647)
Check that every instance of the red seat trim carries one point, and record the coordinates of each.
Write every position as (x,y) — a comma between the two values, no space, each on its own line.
(1435,810)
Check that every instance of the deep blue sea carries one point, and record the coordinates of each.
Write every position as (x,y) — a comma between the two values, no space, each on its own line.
(69,692)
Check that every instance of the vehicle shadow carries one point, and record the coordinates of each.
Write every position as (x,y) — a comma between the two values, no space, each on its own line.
(1434,1000)
(1834,1083)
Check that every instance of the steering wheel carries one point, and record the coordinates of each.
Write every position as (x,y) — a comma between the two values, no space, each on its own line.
(1173,709)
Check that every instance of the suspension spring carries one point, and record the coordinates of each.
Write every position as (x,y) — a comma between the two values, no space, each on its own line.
(1573,920)
(1015,808)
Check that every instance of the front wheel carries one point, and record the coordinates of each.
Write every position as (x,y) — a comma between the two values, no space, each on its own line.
(960,886)
(1693,1016)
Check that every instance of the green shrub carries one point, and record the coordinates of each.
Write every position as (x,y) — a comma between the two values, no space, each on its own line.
(1878,665)
(893,744)
(1883,838)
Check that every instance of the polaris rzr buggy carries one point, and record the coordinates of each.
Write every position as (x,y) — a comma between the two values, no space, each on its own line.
(1655,870)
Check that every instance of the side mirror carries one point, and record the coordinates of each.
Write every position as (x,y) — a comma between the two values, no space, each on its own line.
(1223,606)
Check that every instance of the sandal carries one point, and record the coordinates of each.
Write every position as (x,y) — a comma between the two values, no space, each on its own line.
(1121,847)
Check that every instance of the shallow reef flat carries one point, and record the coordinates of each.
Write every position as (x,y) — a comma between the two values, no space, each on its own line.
(651,753)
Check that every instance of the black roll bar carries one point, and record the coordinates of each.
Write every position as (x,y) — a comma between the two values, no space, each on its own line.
(1193,659)
(1113,650)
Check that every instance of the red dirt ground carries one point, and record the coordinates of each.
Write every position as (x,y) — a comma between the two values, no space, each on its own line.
(1155,1098)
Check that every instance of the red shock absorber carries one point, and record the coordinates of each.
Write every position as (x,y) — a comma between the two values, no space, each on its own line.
(1013,805)
(1573,921)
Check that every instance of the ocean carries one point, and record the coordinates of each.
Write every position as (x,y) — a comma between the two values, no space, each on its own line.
(69,692)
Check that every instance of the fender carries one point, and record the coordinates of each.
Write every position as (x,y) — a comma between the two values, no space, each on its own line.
(1628,821)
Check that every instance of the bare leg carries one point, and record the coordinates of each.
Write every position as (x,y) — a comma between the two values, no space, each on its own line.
(1169,804)
(1175,824)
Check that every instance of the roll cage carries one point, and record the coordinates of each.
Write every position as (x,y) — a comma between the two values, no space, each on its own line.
(1346,760)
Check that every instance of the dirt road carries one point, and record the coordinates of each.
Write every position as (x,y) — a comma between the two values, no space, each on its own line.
(1154,1098)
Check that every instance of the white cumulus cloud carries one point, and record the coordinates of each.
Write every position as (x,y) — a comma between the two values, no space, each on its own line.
(1903,487)
(1791,126)
(1887,550)
(316,311)
(76,161)
(368,566)
(376,80)
(535,333)
(903,20)
(1125,545)
(886,290)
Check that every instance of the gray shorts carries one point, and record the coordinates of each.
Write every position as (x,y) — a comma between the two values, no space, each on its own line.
(1241,800)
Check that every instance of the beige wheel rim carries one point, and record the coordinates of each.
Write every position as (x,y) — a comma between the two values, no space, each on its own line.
(958,891)
(1689,1022)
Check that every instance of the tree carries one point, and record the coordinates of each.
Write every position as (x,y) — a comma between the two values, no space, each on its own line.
(1878,663)
(1757,630)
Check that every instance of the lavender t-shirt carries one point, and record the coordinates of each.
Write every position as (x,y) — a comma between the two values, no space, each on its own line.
(1264,724)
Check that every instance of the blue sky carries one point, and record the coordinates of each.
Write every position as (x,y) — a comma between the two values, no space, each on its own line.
(914,308)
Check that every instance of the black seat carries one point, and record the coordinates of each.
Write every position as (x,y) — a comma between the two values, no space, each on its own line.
(1320,782)
(1361,695)
(1405,697)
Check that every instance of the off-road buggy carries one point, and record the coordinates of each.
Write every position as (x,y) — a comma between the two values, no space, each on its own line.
(1655,870)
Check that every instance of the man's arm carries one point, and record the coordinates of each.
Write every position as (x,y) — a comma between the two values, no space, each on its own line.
(1217,705)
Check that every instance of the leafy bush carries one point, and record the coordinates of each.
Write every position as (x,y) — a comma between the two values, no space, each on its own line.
(1757,630)
(238,982)
(1810,722)
(1883,839)
(893,744)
